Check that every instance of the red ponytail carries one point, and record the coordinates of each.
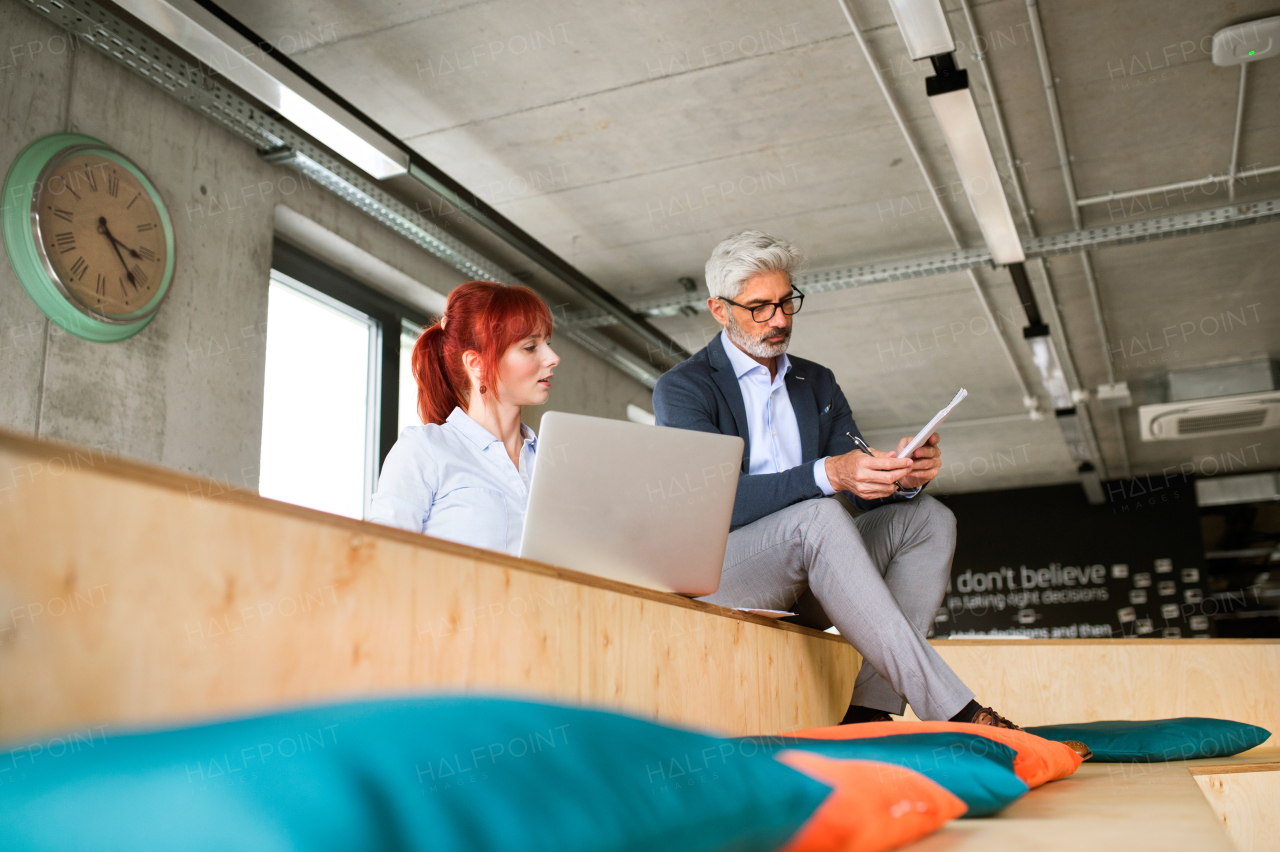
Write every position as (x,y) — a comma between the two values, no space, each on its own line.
(480,316)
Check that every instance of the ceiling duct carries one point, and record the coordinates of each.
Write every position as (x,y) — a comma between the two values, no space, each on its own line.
(1228,490)
(1240,377)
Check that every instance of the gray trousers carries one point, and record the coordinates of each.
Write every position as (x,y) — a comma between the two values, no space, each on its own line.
(879,579)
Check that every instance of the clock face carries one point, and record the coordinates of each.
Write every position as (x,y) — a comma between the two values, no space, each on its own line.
(100,234)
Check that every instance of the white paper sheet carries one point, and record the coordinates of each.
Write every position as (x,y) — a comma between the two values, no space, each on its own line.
(767,613)
(923,435)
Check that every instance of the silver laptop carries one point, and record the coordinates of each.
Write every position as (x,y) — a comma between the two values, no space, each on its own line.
(647,505)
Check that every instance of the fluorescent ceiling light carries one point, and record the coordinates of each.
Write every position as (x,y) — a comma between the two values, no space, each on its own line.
(958,115)
(226,52)
(1055,383)
(924,26)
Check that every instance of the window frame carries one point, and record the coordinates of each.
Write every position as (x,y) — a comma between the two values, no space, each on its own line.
(388,317)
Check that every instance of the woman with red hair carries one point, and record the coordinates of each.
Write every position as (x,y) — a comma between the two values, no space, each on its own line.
(464,474)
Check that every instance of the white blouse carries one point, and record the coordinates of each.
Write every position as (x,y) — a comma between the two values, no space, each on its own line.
(456,481)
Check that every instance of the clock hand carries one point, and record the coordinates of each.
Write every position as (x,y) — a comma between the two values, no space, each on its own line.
(132,253)
(102,229)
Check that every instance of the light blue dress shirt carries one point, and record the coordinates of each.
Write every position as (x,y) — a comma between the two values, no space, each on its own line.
(456,481)
(771,421)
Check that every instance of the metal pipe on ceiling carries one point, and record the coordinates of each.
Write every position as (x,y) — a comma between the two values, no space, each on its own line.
(944,263)
(1198,183)
(1068,180)
(1027,396)
(1235,137)
(1057,328)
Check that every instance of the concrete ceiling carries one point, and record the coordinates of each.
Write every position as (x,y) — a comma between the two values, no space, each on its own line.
(630,137)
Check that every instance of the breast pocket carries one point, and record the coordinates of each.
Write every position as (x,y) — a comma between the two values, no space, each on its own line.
(475,516)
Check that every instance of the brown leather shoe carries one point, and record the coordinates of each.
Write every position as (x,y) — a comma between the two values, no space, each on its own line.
(1079,748)
(987,716)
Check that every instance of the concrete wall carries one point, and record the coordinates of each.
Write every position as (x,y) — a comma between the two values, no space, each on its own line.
(186,392)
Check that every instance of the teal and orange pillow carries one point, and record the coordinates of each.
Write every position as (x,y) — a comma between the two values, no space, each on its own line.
(874,807)
(976,769)
(452,773)
(1185,738)
(1036,760)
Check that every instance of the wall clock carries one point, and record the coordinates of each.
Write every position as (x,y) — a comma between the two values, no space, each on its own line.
(88,236)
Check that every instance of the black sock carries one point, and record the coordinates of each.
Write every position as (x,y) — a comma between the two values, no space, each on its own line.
(967,712)
(857,714)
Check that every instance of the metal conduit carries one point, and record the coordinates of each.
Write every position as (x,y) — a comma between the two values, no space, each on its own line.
(1068,180)
(928,178)
(1058,330)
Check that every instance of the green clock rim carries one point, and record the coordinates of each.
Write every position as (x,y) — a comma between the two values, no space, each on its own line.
(121,160)
(15,222)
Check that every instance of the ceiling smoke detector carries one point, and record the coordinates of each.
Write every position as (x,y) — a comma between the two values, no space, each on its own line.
(1247,42)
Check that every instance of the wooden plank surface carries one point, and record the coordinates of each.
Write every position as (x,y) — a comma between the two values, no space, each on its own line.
(1055,681)
(133,595)
(1265,759)
(1247,805)
(1101,808)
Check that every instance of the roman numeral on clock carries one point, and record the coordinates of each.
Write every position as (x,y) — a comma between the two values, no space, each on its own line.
(146,226)
(65,242)
(101,287)
(64,215)
(79,268)
(113,184)
(138,275)
(93,181)
(146,253)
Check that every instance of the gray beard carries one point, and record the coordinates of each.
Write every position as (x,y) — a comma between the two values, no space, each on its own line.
(756,345)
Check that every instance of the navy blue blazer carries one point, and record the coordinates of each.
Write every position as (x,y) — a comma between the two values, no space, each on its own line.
(702,393)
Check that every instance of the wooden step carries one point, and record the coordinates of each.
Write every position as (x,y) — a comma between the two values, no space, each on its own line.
(1058,681)
(1244,792)
(132,595)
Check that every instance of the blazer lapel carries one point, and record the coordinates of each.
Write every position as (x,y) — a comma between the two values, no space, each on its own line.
(805,406)
(722,373)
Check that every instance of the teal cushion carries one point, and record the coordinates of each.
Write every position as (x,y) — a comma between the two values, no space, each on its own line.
(977,770)
(1158,740)
(451,773)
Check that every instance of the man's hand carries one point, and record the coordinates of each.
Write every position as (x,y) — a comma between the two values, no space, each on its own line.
(869,477)
(925,462)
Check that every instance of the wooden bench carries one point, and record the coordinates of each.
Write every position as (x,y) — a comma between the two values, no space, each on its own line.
(134,595)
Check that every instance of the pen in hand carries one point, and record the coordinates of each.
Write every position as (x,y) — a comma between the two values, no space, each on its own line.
(862,445)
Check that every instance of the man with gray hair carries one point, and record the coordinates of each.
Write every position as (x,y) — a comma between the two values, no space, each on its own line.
(880,577)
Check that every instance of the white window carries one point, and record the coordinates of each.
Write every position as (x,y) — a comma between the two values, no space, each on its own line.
(408,387)
(320,401)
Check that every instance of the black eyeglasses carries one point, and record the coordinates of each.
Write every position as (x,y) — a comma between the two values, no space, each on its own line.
(763,313)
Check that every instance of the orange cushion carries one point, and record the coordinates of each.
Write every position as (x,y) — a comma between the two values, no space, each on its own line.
(1038,760)
(873,806)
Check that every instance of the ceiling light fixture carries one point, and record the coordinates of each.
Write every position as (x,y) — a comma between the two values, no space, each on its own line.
(1046,360)
(953,104)
(924,26)
(1043,352)
(213,43)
